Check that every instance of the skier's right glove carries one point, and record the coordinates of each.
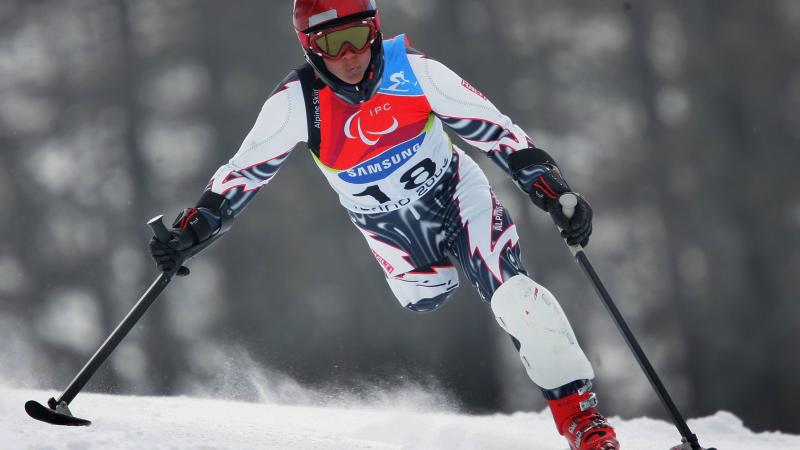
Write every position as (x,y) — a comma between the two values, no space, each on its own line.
(191,227)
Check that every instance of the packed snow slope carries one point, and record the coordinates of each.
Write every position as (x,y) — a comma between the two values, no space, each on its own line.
(121,422)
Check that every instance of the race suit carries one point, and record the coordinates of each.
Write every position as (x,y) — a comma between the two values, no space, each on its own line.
(417,199)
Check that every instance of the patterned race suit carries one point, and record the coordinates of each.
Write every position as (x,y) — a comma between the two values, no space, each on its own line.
(416,198)
(422,204)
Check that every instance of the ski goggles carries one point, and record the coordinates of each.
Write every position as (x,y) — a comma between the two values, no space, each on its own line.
(331,43)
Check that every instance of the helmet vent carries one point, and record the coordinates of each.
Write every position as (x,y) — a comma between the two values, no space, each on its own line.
(317,19)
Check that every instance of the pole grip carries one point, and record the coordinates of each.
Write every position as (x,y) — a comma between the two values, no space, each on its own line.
(568,203)
(159,230)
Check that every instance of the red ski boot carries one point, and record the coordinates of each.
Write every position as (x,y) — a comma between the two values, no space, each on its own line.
(577,420)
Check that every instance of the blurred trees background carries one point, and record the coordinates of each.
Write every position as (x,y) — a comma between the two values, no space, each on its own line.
(679,120)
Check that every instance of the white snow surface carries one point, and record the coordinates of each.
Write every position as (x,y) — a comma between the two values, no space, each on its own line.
(126,422)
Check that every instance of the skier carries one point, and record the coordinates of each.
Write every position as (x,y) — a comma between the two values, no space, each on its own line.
(372,112)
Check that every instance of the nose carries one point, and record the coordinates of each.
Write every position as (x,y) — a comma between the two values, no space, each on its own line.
(348,53)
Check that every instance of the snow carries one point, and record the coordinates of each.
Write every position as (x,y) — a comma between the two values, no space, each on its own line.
(126,422)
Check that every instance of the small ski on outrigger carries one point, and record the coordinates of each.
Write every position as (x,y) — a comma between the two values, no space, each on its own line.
(54,413)
(57,411)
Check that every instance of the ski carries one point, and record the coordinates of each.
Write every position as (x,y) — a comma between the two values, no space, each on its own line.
(59,415)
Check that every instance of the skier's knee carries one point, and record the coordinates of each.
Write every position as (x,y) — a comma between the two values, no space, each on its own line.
(428,304)
(547,345)
(424,289)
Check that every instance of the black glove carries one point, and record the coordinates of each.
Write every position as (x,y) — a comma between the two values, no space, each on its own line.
(189,229)
(545,192)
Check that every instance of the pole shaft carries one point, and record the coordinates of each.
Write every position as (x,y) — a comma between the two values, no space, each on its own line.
(115,338)
(630,339)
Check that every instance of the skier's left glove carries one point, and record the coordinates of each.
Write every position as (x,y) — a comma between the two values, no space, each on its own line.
(545,192)
(537,174)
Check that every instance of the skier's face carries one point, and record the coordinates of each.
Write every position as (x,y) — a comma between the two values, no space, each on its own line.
(351,67)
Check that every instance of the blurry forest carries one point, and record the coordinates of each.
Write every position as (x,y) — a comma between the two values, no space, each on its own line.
(680,121)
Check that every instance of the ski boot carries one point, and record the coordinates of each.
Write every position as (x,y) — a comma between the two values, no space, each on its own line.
(577,420)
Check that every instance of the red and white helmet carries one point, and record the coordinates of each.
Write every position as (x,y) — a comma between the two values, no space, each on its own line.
(315,14)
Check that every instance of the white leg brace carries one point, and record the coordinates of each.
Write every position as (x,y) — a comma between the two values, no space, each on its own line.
(548,347)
